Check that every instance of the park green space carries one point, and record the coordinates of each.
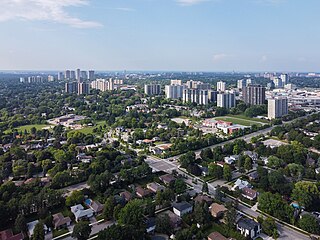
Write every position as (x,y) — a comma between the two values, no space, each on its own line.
(89,130)
(28,127)
(242,120)
(249,118)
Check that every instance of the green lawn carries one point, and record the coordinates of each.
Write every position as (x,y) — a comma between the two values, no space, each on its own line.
(89,130)
(28,127)
(250,119)
(238,121)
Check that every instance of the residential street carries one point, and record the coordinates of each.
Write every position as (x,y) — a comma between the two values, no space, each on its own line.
(169,164)
(96,227)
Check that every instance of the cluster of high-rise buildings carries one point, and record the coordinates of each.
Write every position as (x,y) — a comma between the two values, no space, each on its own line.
(225,98)
(192,91)
(76,75)
(280,82)
(103,84)
(243,83)
(77,87)
(33,79)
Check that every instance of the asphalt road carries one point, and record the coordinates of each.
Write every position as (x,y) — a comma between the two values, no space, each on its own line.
(285,232)
(169,164)
(96,228)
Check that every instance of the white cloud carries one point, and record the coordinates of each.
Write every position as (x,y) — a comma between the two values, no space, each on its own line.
(189,2)
(220,56)
(44,10)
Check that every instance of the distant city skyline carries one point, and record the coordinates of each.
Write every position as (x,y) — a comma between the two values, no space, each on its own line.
(160,35)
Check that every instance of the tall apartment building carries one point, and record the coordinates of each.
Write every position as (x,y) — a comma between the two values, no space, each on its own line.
(277,107)
(103,84)
(60,76)
(240,83)
(221,86)
(277,82)
(174,91)
(35,79)
(83,88)
(83,75)
(152,89)
(195,96)
(191,84)
(118,81)
(285,79)
(78,75)
(77,87)
(50,78)
(67,74)
(226,100)
(176,82)
(254,94)
(72,75)
(212,95)
(202,86)
(71,87)
(91,75)
(249,81)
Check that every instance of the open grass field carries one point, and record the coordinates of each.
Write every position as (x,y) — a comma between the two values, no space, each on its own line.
(241,121)
(28,127)
(89,130)
(250,119)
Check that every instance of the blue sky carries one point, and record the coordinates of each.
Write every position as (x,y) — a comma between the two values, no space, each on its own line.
(182,35)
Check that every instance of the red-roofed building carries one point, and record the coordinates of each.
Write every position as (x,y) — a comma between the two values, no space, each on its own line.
(8,235)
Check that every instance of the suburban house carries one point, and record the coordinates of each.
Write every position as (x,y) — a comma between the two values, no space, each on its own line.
(127,196)
(32,225)
(249,193)
(231,159)
(248,227)
(182,208)
(155,187)
(141,192)
(80,213)
(203,198)
(220,164)
(241,184)
(217,210)
(175,221)
(252,155)
(96,206)
(59,221)
(167,178)
(82,157)
(254,176)
(159,149)
(8,235)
